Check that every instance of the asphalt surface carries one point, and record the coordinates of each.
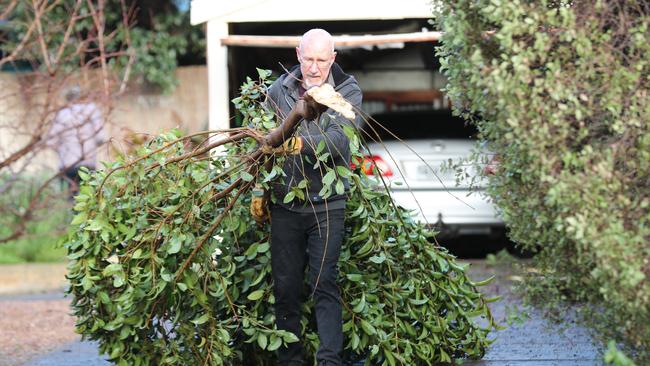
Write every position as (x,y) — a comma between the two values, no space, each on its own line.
(72,354)
(532,342)
(535,342)
(529,344)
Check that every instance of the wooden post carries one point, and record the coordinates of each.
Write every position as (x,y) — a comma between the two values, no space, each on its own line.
(219,102)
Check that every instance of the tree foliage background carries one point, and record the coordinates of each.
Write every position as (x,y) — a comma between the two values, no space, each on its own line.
(162,39)
(559,89)
(158,33)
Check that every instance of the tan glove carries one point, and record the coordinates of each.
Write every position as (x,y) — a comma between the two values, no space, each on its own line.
(292,146)
(259,205)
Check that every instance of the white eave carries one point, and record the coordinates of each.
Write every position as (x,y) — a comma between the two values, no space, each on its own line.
(240,11)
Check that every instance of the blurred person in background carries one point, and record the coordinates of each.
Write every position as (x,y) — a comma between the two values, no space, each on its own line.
(77,132)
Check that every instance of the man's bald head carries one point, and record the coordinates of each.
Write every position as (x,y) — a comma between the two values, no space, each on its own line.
(317,37)
(316,56)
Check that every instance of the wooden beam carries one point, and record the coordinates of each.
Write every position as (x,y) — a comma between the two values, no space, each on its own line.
(341,41)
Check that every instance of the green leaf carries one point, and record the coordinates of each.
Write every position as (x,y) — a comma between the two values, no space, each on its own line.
(289,337)
(79,218)
(358,308)
(274,343)
(324,157)
(343,171)
(329,177)
(263,248)
(93,225)
(354,277)
(246,176)
(378,259)
(262,340)
(419,301)
(174,246)
(118,280)
(103,297)
(255,295)
(263,74)
(289,197)
(325,192)
(137,254)
(389,357)
(320,147)
(111,269)
(166,276)
(368,328)
(202,319)
(270,176)
(354,342)
(340,187)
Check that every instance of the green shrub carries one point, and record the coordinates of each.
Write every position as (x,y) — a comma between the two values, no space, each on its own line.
(559,89)
(157,278)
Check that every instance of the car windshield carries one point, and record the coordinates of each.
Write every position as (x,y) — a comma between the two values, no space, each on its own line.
(415,125)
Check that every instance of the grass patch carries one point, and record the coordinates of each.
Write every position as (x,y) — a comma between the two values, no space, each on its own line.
(32,250)
(40,243)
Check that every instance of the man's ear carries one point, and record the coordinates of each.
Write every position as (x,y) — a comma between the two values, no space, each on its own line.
(298,53)
(333,56)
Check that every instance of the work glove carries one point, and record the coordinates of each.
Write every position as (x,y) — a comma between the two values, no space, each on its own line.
(259,205)
(292,146)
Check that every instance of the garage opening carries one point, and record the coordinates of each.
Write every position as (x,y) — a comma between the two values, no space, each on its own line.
(393,76)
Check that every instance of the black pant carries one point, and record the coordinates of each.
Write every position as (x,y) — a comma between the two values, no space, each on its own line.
(296,238)
(71,177)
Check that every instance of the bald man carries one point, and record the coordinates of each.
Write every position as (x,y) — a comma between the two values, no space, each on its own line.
(308,233)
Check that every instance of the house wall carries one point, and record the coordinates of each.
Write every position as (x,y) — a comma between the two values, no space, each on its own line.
(186,107)
(137,111)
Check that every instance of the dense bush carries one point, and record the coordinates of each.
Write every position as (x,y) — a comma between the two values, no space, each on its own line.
(167,266)
(559,90)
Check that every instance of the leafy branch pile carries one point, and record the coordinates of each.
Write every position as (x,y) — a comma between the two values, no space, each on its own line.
(559,89)
(167,266)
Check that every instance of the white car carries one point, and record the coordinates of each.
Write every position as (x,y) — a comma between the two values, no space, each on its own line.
(412,166)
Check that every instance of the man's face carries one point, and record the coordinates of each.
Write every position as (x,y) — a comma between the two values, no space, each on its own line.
(316,59)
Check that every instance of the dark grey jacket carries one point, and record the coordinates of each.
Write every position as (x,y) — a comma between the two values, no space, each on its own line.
(283,94)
